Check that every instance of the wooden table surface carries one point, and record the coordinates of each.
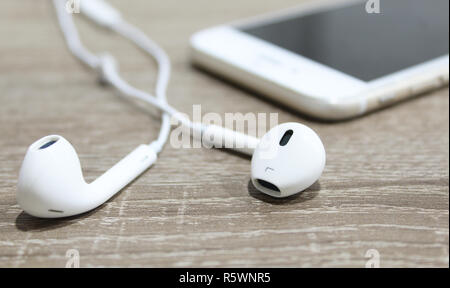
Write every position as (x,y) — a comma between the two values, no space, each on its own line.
(385,186)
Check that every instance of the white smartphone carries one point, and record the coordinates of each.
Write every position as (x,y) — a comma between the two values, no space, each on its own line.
(334,59)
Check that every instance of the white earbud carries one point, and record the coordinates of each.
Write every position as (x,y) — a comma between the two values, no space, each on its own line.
(288,159)
(51,183)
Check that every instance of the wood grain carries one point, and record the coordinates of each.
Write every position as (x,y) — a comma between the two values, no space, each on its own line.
(385,187)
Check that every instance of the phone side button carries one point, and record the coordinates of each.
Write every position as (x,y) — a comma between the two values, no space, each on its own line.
(394,97)
(425,87)
(388,99)
(404,93)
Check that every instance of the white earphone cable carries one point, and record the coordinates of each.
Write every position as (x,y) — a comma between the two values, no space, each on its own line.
(72,38)
(104,15)
(141,40)
(106,65)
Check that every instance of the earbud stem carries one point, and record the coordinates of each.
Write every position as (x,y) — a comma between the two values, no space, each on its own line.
(220,137)
(121,174)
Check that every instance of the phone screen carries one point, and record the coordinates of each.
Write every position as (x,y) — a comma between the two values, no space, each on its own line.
(365,45)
